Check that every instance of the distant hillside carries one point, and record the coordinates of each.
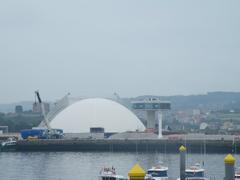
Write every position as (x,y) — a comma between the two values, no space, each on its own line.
(211,100)
(17,122)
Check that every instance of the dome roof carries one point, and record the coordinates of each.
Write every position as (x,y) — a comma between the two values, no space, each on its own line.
(96,112)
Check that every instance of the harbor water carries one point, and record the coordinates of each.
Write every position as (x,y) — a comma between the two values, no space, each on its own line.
(86,165)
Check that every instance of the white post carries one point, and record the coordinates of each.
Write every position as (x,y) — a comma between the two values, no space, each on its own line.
(160,124)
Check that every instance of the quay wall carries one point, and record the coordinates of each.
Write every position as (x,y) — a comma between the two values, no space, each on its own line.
(133,145)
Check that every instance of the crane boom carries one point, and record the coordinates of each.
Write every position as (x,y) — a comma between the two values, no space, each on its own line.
(38,96)
(43,110)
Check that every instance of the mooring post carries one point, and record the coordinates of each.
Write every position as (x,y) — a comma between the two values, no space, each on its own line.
(136,173)
(229,161)
(182,151)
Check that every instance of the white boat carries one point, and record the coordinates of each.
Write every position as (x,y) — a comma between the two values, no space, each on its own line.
(237,174)
(195,173)
(8,145)
(159,172)
(110,174)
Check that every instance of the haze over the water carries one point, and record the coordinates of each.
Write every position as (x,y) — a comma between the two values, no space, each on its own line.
(94,48)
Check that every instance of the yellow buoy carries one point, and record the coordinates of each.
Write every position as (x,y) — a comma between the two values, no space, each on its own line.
(136,173)
(182,149)
(229,159)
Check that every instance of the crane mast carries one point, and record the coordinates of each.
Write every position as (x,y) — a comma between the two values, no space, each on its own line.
(43,110)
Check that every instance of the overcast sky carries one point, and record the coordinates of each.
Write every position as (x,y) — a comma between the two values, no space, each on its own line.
(95,48)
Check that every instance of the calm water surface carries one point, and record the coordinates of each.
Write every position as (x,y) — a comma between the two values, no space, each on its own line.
(82,165)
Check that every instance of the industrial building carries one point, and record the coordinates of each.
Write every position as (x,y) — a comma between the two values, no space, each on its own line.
(85,114)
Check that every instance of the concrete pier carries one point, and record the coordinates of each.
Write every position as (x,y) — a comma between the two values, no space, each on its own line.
(160,145)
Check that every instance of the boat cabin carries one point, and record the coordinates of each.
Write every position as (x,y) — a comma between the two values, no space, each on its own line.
(158,172)
(195,173)
(155,173)
(113,178)
(237,176)
(110,174)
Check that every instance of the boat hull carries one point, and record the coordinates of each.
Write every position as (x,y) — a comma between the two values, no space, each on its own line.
(7,148)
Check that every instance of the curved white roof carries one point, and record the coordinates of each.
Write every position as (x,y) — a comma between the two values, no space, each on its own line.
(96,112)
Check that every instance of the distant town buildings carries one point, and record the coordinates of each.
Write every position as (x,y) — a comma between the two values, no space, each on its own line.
(18,109)
(227,125)
(203,126)
(196,112)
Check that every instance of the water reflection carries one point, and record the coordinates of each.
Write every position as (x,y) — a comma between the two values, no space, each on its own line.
(83,165)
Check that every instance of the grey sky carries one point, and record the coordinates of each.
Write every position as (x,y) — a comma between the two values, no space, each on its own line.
(94,48)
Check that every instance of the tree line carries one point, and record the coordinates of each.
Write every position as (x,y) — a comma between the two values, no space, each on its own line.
(18,122)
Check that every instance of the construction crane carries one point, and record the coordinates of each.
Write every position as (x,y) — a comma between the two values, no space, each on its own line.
(49,133)
(45,121)
(45,132)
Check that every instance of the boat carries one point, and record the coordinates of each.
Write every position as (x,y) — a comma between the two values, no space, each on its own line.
(9,145)
(158,172)
(237,174)
(195,173)
(110,174)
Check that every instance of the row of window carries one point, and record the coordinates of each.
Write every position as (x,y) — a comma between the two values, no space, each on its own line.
(152,106)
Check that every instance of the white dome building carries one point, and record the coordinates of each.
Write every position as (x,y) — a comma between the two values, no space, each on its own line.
(96,112)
